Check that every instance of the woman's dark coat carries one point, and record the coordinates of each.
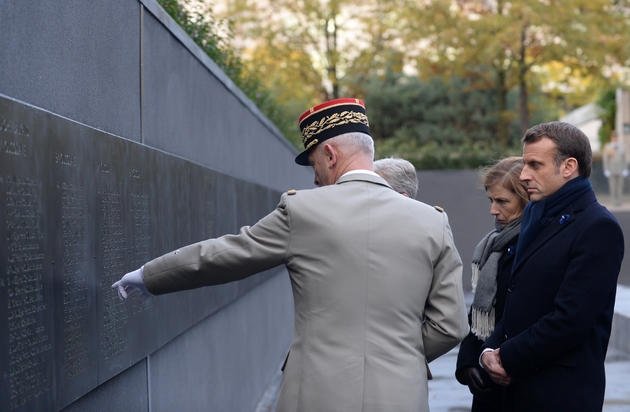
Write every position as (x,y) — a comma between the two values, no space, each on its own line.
(470,348)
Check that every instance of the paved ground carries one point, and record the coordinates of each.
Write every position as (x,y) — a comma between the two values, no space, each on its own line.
(447,395)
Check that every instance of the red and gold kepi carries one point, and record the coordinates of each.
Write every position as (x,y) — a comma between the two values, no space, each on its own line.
(328,120)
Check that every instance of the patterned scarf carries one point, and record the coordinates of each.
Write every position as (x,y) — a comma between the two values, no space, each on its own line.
(485,268)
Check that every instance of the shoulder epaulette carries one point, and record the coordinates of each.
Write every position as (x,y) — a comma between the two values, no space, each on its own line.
(291,192)
(439,209)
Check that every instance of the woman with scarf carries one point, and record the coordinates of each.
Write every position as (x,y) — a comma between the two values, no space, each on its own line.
(491,268)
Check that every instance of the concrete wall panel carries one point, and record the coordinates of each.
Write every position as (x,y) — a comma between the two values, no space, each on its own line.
(224,360)
(191,112)
(79,59)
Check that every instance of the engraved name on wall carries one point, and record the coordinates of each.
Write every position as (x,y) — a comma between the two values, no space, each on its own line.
(27,335)
(80,208)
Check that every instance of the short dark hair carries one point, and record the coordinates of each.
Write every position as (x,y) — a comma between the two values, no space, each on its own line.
(569,140)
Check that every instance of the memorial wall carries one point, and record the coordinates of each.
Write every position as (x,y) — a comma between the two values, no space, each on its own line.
(82,208)
(120,141)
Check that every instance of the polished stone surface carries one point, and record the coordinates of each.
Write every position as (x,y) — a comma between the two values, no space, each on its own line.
(76,58)
(82,208)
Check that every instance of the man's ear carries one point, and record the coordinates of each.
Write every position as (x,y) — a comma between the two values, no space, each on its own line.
(331,155)
(570,167)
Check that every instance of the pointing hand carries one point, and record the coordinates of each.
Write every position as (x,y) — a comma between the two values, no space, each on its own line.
(130,282)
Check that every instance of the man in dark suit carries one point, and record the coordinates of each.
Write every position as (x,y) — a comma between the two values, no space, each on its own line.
(549,349)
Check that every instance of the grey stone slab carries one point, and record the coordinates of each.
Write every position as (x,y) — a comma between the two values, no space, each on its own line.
(466,203)
(27,332)
(82,208)
(226,361)
(79,59)
(156,10)
(182,97)
(69,212)
(123,216)
(127,391)
(226,205)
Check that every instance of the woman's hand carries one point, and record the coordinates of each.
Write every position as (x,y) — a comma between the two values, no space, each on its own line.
(477,380)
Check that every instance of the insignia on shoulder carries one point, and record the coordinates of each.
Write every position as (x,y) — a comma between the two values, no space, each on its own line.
(439,209)
(291,192)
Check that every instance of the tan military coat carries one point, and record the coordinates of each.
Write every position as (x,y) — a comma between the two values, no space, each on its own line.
(377,287)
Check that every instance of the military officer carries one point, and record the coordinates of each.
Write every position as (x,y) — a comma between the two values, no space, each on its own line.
(376,277)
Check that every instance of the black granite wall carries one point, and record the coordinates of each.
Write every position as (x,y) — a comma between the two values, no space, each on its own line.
(119,141)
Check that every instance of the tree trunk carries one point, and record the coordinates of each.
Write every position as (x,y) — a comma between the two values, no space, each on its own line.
(523,102)
(331,56)
(335,54)
(522,73)
(502,129)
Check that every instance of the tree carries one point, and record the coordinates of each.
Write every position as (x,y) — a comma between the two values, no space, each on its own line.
(330,46)
(535,57)
(514,38)
(434,124)
(608,104)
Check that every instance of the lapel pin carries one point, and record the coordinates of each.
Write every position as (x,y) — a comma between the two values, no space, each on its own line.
(564,218)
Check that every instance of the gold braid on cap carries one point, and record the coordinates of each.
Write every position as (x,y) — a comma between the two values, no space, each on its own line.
(334,120)
(308,146)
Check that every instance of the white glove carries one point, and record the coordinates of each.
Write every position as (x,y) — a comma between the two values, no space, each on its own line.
(624,173)
(607,173)
(130,282)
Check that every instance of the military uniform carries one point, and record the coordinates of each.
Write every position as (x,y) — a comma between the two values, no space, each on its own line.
(377,286)
(376,279)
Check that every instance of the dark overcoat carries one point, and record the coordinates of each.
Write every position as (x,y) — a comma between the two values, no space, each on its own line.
(470,348)
(557,320)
